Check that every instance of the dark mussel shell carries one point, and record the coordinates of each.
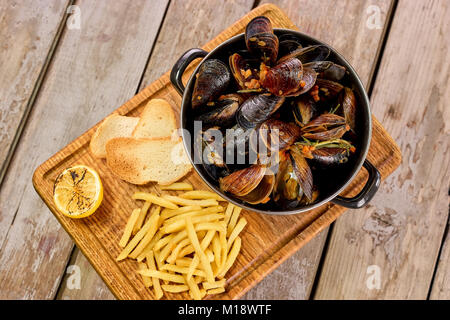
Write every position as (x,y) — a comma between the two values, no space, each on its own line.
(261,40)
(253,184)
(239,67)
(257,109)
(327,70)
(278,135)
(331,88)
(330,156)
(349,107)
(308,54)
(308,81)
(287,44)
(330,134)
(284,78)
(323,121)
(224,115)
(213,78)
(304,109)
(302,171)
(287,191)
(210,153)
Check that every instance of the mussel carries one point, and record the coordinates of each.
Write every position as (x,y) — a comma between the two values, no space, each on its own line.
(308,54)
(330,88)
(258,109)
(253,184)
(302,171)
(224,113)
(330,156)
(285,78)
(327,69)
(349,107)
(308,81)
(212,80)
(327,126)
(245,76)
(278,135)
(304,109)
(287,44)
(261,40)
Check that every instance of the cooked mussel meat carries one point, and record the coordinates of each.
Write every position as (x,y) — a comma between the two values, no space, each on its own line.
(261,40)
(212,80)
(245,76)
(304,109)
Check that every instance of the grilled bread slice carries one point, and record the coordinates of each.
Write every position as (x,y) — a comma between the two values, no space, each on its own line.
(157,120)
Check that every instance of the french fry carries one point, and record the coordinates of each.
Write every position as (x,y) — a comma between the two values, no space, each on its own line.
(216,291)
(129,227)
(162,275)
(141,218)
(228,212)
(200,212)
(178,186)
(168,213)
(149,236)
(188,202)
(216,249)
(195,291)
(233,220)
(153,198)
(203,259)
(204,244)
(134,242)
(147,281)
(202,293)
(209,254)
(182,270)
(223,246)
(151,266)
(173,256)
(183,262)
(231,257)
(217,284)
(162,242)
(237,229)
(201,194)
(180,224)
(150,246)
(175,288)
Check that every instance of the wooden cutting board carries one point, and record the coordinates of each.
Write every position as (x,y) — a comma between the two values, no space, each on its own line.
(267,241)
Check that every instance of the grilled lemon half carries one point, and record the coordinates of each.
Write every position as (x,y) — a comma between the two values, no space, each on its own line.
(78,191)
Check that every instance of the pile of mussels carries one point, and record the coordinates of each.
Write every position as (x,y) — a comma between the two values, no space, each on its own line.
(291,92)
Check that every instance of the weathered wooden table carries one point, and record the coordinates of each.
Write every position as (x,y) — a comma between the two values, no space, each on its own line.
(64,65)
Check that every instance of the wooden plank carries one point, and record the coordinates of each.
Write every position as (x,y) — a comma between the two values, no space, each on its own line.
(440,289)
(179,33)
(400,233)
(106,55)
(342,25)
(267,240)
(27,32)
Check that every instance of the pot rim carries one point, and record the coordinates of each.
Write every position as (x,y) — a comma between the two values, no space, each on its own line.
(364,103)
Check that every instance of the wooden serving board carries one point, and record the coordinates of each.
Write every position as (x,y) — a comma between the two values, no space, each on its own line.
(266,241)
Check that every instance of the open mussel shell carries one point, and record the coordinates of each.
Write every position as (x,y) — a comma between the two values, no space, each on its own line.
(287,44)
(308,81)
(212,80)
(284,78)
(302,171)
(327,134)
(278,135)
(330,156)
(253,184)
(349,107)
(304,109)
(286,191)
(261,40)
(327,70)
(224,113)
(257,109)
(241,70)
(322,122)
(308,54)
(331,88)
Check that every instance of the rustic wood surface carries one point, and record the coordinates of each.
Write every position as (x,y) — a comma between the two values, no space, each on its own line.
(401,232)
(47,249)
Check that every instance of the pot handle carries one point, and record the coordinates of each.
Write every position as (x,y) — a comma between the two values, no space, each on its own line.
(366,194)
(178,69)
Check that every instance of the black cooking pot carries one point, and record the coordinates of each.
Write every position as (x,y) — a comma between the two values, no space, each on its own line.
(330,182)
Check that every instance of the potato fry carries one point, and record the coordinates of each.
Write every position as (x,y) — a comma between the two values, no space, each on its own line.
(134,242)
(201,194)
(175,288)
(209,255)
(178,186)
(168,213)
(194,241)
(141,218)
(164,241)
(173,256)
(188,202)
(163,275)
(151,266)
(129,227)
(200,212)
(217,284)
(149,236)
(216,249)
(233,220)
(236,231)
(182,270)
(195,291)
(202,293)
(229,212)
(153,198)
(183,262)
(223,246)
(180,224)
(216,291)
(147,281)
(231,257)
(151,245)
(204,244)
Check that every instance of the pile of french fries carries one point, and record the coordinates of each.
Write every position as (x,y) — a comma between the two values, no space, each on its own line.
(183,243)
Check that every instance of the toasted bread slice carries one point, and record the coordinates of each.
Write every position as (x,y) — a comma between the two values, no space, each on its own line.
(113,126)
(157,120)
(140,161)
